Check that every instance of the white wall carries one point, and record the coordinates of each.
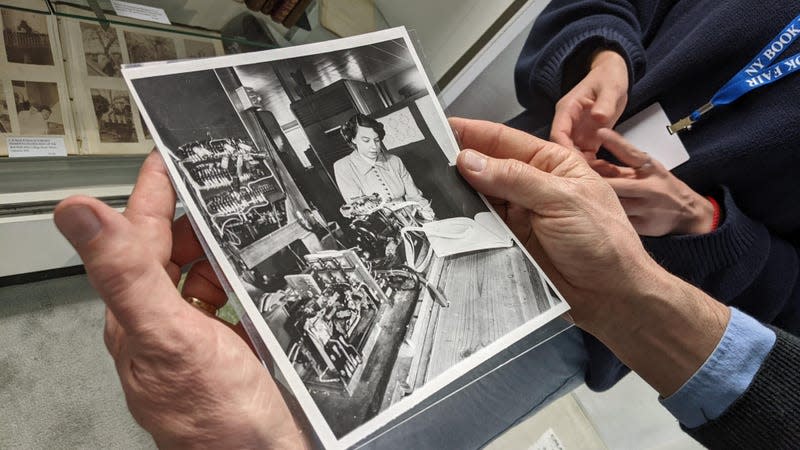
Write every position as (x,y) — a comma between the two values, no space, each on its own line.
(31,244)
(445,28)
(492,96)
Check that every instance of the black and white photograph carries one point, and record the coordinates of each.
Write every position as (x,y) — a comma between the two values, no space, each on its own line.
(322,179)
(26,38)
(102,50)
(146,48)
(199,49)
(146,130)
(38,108)
(114,115)
(5,115)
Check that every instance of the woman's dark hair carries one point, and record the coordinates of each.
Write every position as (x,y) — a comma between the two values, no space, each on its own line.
(350,128)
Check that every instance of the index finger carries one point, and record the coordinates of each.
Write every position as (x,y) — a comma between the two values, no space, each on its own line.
(496,140)
(622,149)
(627,187)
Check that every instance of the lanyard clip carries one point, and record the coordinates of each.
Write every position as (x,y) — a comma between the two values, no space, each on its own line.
(683,124)
(687,122)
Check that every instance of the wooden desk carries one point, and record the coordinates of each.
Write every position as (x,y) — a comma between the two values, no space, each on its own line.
(490,293)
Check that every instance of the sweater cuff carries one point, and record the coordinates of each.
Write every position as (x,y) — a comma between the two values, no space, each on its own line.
(766,415)
(603,31)
(694,257)
(726,374)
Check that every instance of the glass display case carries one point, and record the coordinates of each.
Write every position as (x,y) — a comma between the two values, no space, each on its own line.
(60,87)
(62,94)
(289,23)
(62,60)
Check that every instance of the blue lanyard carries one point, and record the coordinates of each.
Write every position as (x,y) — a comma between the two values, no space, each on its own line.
(762,71)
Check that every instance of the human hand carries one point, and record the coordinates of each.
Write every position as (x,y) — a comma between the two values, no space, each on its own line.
(570,220)
(564,214)
(656,202)
(425,212)
(188,378)
(596,102)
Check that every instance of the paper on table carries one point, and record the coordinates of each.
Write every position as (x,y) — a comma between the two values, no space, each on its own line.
(548,441)
(647,131)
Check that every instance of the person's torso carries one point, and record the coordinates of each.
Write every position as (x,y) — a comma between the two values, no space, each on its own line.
(382,178)
(751,146)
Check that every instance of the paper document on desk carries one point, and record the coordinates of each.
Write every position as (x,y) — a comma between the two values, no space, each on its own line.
(463,235)
(280,160)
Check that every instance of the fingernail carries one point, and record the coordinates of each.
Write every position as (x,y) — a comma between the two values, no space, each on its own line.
(78,224)
(474,161)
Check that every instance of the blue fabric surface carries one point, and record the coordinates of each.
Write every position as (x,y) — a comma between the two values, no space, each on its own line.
(475,415)
(746,155)
(726,375)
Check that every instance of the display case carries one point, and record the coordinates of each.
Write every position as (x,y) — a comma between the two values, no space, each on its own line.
(62,91)
(59,70)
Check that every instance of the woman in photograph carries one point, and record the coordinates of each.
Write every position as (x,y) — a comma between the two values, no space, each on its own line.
(369,169)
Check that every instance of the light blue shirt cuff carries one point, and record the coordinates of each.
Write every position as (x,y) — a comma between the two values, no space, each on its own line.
(725,375)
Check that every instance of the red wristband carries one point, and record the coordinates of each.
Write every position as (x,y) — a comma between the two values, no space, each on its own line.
(717,210)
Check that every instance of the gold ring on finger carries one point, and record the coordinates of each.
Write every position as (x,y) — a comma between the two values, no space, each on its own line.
(201,305)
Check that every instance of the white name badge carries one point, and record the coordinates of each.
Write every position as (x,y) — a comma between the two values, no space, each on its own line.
(31,147)
(648,132)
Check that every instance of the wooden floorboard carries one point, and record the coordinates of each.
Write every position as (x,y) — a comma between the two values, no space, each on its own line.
(491,293)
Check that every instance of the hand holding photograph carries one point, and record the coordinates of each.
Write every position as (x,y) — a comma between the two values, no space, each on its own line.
(321,180)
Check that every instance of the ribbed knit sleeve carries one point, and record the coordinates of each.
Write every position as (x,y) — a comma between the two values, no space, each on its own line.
(567,28)
(767,416)
(695,257)
(740,255)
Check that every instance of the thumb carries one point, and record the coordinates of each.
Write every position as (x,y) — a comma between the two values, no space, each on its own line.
(511,180)
(129,278)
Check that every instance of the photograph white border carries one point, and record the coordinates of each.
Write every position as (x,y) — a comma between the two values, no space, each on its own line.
(298,388)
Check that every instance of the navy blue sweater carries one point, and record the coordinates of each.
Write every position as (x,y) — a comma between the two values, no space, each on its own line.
(747,155)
